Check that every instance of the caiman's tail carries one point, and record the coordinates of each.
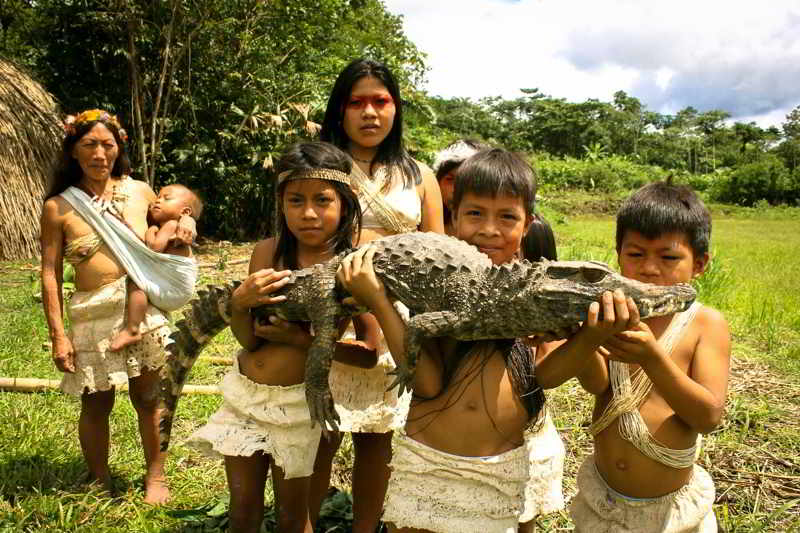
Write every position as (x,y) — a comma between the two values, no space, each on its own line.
(210,313)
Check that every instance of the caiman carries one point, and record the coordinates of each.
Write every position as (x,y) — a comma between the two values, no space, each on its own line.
(450,288)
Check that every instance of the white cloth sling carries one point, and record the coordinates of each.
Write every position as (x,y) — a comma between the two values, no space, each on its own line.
(167,279)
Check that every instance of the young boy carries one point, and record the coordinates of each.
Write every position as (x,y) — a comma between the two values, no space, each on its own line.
(658,383)
(461,463)
(173,202)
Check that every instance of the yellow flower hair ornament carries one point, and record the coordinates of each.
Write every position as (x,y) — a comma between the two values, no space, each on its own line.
(71,122)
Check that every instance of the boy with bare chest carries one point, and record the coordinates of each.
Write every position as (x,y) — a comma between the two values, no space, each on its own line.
(461,463)
(658,383)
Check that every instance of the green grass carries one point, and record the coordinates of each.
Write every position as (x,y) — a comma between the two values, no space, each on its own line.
(754,456)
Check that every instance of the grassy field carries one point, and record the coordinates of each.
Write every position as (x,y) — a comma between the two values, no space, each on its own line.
(754,456)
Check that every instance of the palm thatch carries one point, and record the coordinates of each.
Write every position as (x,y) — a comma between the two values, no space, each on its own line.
(30,136)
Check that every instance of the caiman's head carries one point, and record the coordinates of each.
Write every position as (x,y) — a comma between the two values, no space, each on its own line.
(564,289)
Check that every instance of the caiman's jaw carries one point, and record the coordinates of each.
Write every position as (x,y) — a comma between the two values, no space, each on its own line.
(569,287)
(677,299)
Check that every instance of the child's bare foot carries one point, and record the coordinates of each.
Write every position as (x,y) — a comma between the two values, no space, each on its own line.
(103,485)
(156,491)
(124,338)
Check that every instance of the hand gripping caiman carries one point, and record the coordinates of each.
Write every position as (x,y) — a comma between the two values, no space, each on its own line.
(450,288)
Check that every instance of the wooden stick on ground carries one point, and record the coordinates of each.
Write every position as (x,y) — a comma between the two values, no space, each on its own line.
(39,385)
(215,360)
(227,263)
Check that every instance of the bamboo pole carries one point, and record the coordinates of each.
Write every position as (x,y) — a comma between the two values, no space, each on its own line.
(214,360)
(39,385)
(215,264)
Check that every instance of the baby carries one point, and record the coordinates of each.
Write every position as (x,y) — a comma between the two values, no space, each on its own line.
(173,202)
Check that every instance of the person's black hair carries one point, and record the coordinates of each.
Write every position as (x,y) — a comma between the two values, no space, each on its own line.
(390,151)
(539,242)
(308,156)
(67,170)
(662,207)
(473,356)
(496,172)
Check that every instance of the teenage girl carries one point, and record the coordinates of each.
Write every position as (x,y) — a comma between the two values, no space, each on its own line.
(397,194)
(264,420)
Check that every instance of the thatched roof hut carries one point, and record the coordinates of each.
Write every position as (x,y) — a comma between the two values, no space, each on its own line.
(30,136)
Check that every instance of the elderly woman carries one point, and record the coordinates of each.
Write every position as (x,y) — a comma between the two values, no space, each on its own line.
(93,159)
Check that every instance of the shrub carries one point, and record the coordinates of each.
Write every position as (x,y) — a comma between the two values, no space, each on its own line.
(701,182)
(608,174)
(766,179)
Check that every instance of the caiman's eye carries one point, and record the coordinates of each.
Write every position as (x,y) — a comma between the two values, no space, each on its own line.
(561,272)
(593,275)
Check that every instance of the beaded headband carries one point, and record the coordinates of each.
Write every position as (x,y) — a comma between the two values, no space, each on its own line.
(455,153)
(71,122)
(314,173)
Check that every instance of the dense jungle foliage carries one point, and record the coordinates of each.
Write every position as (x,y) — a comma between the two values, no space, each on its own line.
(212,90)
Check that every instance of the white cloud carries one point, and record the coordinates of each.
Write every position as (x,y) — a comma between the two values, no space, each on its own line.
(740,56)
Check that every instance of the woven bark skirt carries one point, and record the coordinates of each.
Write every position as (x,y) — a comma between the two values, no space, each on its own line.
(360,396)
(95,318)
(272,419)
(442,492)
(597,508)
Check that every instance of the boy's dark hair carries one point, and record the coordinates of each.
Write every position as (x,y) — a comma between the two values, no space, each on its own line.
(390,151)
(661,207)
(313,155)
(495,172)
(539,242)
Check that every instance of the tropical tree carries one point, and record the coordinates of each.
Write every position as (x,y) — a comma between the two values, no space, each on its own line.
(212,90)
(709,124)
(789,149)
(627,123)
(747,134)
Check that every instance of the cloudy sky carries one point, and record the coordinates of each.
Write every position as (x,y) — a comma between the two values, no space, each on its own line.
(740,56)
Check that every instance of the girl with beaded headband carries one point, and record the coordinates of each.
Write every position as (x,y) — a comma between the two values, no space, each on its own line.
(364,116)
(264,421)
(93,159)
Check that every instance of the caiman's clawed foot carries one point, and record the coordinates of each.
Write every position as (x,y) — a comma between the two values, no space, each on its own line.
(403,379)
(320,406)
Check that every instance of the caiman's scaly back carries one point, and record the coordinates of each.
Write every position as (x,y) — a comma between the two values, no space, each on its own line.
(450,288)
